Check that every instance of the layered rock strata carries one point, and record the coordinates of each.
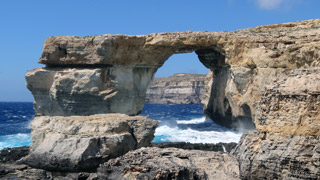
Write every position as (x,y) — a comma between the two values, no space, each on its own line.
(83,142)
(269,74)
(277,156)
(287,142)
(177,89)
(87,91)
(170,163)
(241,64)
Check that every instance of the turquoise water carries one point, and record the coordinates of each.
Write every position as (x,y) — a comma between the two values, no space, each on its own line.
(186,123)
(15,118)
(177,123)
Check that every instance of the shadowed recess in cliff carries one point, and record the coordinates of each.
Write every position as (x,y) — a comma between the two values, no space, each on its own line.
(217,105)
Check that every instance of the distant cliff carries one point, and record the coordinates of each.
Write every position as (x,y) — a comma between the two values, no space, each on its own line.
(177,89)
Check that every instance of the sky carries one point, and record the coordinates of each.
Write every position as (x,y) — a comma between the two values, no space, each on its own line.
(24,26)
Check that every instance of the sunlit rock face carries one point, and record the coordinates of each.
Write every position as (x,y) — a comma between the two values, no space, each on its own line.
(81,143)
(83,91)
(242,63)
(265,78)
(291,105)
(287,141)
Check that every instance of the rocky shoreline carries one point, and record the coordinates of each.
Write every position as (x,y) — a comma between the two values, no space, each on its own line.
(12,166)
(221,147)
(91,90)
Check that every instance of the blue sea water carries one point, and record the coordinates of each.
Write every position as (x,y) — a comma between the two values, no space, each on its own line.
(15,118)
(186,123)
(177,123)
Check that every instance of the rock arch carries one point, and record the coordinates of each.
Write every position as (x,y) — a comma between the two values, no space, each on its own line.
(266,72)
(87,83)
(110,73)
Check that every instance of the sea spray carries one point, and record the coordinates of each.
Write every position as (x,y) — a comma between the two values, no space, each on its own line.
(186,123)
(199,134)
(15,140)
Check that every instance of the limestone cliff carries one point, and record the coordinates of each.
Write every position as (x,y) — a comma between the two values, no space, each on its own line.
(241,64)
(265,77)
(287,142)
(177,89)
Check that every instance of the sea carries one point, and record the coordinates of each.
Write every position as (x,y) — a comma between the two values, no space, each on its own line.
(177,123)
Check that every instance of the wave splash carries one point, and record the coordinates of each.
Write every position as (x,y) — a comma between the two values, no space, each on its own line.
(15,140)
(197,130)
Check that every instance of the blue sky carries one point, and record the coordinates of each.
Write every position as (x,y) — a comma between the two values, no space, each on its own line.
(24,25)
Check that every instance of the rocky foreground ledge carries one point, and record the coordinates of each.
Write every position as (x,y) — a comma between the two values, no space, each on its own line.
(145,163)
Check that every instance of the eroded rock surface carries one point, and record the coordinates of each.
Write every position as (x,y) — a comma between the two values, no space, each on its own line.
(242,63)
(287,143)
(222,147)
(268,75)
(276,156)
(83,142)
(83,91)
(170,163)
(291,105)
(9,155)
(177,89)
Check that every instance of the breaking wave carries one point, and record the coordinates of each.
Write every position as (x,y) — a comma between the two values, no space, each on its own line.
(15,140)
(197,130)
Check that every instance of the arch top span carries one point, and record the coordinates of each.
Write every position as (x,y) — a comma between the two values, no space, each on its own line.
(261,46)
(144,50)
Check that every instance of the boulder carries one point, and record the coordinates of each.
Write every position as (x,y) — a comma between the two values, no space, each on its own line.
(170,163)
(9,155)
(83,142)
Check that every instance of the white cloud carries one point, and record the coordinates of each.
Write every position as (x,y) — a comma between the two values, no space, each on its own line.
(269,4)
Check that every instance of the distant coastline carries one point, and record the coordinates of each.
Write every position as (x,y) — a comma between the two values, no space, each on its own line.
(180,88)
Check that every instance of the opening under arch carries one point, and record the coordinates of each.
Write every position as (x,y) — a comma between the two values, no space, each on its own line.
(181,63)
(179,122)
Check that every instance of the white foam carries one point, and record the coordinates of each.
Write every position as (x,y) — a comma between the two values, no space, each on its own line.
(15,140)
(194,121)
(174,134)
(224,149)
